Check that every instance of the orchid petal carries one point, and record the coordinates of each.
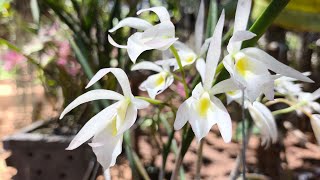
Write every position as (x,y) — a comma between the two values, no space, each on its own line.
(160,31)
(140,104)
(155,84)
(201,67)
(214,52)
(160,36)
(161,12)
(136,46)
(316,94)
(235,41)
(182,47)
(91,96)
(270,121)
(166,63)
(234,96)
(146,65)
(182,114)
(119,74)
(197,91)
(242,15)
(205,47)
(132,22)
(94,126)
(161,44)
(264,120)
(224,86)
(223,120)
(112,42)
(274,65)
(315,106)
(258,84)
(128,121)
(198,33)
(187,57)
(228,63)
(269,86)
(109,150)
(315,124)
(201,125)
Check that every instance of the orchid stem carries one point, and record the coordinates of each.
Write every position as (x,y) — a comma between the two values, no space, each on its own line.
(177,57)
(199,161)
(243,138)
(234,173)
(155,102)
(187,138)
(292,107)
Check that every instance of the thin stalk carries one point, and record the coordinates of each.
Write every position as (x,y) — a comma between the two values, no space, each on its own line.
(177,77)
(291,104)
(165,152)
(177,57)
(199,160)
(289,109)
(234,173)
(127,144)
(186,141)
(155,102)
(174,146)
(140,167)
(243,139)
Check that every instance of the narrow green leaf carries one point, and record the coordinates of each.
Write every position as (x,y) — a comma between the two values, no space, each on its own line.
(265,20)
(212,18)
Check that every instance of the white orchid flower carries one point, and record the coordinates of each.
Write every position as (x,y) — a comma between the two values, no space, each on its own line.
(235,95)
(203,109)
(261,116)
(157,83)
(250,67)
(264,120)
(107,127)
(187,55)
(287,86)
(160,36)
(309,99)
(315,124)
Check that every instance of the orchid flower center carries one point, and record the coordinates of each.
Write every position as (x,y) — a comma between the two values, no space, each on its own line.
(119,118)
(187,58)
(242,65)
(160,79)
(203,105)
(232,93)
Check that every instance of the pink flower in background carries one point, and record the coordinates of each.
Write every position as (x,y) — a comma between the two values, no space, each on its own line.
(64,52)
(66,60)
(11,59)
(64,49)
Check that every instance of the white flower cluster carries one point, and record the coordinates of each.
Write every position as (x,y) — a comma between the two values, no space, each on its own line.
(248,69)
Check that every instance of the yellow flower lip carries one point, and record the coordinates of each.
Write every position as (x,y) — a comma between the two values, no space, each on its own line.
(161,79)
(242,65)
(119,118)
(190,58)
(203,105)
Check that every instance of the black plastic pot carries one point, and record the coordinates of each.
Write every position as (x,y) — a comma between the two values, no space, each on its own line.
(43,156)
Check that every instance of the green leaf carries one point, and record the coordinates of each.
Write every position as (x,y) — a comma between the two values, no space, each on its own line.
(260,26)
